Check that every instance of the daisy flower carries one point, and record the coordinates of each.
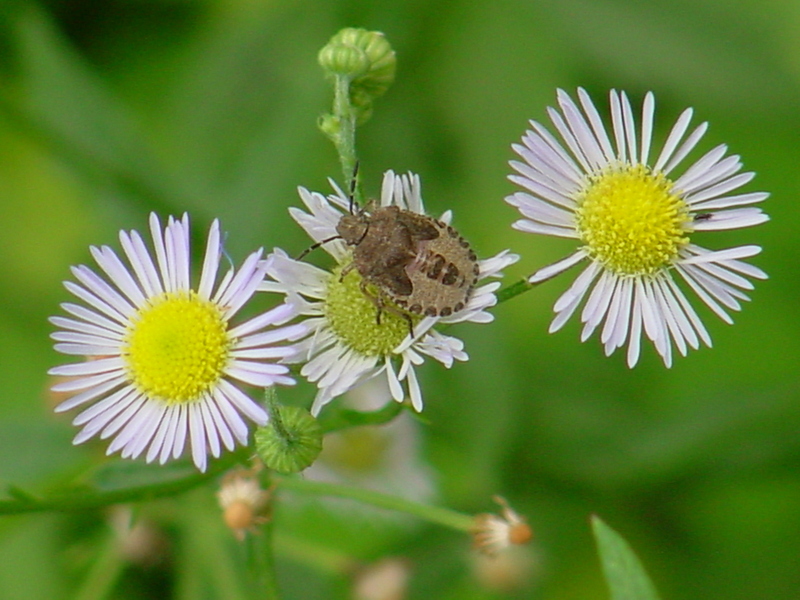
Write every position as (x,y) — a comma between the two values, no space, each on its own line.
(162,355)
(634,220)
(346,344)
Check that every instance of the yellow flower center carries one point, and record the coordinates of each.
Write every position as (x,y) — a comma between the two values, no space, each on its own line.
(631,220)
(353,316)
(177,347)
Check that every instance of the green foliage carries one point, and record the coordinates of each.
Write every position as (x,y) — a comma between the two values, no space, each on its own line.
(625,576)
(110,110)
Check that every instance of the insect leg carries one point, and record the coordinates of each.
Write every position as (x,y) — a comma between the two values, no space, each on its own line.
(380,303)
(317,245)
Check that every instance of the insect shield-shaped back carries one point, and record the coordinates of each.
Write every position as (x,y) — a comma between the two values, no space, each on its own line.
(422,265)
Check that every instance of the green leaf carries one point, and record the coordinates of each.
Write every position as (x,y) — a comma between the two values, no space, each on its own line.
(626,578)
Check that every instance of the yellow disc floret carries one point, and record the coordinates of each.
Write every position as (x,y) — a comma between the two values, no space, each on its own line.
(631,220)
(177,347)
(353,316)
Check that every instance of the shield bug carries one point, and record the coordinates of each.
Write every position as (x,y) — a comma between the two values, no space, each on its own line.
(421,265)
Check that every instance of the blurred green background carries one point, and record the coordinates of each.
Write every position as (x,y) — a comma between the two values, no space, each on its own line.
(109,110)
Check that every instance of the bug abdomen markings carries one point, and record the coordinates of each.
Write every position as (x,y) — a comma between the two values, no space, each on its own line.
(436,266)
(443,274)
(452,276)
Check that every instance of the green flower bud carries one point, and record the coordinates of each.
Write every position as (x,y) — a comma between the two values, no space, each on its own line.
(342,59)
(366,57)
(291,441)
(330,125)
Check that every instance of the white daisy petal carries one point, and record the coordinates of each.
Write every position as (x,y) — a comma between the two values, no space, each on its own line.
(120,420)
(220,426)
(92,317)
(415,392)
(634,344)
(116,271)
(197,437)
(146,422)
(556,268)
(729,201)
(210,262)
(94,301)
(139,258)
(545,185)
(648,110)
(686,147)
(210,429)
(234,421)
(531,227)
(160,436)
(674,138)
(90,394)
(103,291)
(89,328)
(88,381)
(90,367)
(177,435)
(597,125)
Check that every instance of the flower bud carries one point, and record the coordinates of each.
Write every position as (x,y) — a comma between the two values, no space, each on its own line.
(330,125)
(341,59)
(366,58)
(291,441)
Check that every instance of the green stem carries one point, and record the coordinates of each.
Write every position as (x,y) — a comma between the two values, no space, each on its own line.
(271,396)
(83,500)
(261,563)
(344,418)
(104,573)
(345,141)
(515,289)
(433,514)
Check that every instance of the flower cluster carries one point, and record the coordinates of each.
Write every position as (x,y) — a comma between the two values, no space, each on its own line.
(165,366)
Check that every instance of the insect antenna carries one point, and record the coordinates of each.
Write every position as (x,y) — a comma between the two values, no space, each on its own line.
(352,193)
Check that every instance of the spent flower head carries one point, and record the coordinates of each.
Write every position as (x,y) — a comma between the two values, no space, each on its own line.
(162,355)
(635,221)
(348,343)
(243,502)
(493,534)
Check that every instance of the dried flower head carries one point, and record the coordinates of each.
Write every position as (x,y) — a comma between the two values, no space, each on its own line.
(243,502)
(492,533)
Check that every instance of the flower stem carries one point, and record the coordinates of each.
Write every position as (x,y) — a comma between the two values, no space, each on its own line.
(515,289)
(96,498)
(344,418)
(261,564)
(433,514)
(104,573)
(345,141)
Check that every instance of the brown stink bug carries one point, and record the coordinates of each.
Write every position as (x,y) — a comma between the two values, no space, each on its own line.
(418,263)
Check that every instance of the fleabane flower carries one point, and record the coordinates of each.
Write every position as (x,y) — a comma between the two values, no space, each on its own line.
(347,345)
(634,220)
(162,357)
